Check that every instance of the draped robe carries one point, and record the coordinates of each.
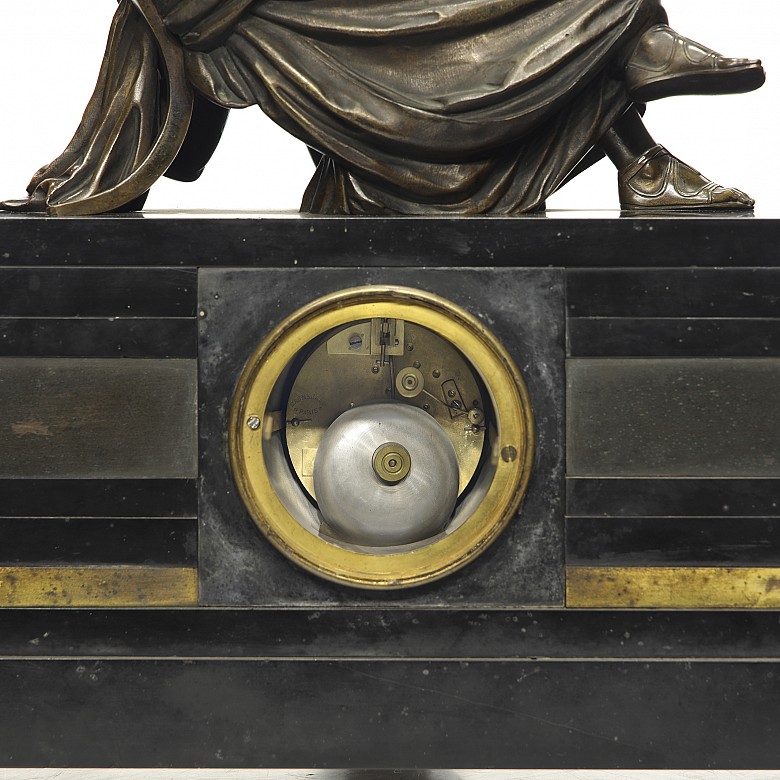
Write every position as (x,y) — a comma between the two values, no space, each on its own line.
(416,106)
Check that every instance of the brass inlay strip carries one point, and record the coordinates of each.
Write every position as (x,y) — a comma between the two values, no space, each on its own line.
(98,586)
(672,588)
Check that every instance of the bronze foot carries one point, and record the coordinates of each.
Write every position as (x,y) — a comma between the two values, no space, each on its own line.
(35,203)
(658,180)
(665,63)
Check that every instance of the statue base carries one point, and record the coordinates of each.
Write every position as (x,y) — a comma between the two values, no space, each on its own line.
(626,618)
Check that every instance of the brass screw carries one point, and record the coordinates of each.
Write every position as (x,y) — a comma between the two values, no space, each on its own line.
(509,454)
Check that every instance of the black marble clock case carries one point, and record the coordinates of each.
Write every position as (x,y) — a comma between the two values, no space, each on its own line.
(492,667)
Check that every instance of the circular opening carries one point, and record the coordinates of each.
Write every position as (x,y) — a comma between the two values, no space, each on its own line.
(369,467)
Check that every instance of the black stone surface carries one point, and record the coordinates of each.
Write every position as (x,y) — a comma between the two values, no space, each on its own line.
(673,541)
(631,337)
(673,292)
(375,633)
(98,292)
(47,541)
(524,308)
(388,681)
(673,497)
(287,240)
(99,338)
(98,498)
(400,714)
(398,688)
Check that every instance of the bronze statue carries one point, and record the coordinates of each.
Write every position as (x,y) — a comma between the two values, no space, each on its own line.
(413,107)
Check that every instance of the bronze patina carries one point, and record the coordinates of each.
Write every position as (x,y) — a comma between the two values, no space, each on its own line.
(425,107)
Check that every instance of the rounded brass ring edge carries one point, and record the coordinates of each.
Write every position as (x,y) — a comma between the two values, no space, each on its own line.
(396,570)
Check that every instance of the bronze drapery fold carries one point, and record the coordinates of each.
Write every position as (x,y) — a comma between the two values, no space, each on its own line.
(419,107)
(476,106)
(132,128)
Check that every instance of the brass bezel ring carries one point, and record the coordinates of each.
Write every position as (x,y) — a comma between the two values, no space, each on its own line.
(445,554)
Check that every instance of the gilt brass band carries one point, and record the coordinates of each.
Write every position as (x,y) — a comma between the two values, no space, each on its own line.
(672,587)
(98,586)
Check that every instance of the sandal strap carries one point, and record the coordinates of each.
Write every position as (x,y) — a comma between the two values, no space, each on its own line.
(632,169)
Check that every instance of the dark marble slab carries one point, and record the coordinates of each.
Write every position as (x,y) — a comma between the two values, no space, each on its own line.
(573,240)
(98,292)
(98,712)
(98,498)
(448,675)
(679,337)
(676,497)
(673,292)
(46,541)
(98,337)
(376,633)
(673,541)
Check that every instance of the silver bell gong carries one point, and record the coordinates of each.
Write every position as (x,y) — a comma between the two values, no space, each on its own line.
(386,474)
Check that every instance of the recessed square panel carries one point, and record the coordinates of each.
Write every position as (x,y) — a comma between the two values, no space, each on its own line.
(239,308)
